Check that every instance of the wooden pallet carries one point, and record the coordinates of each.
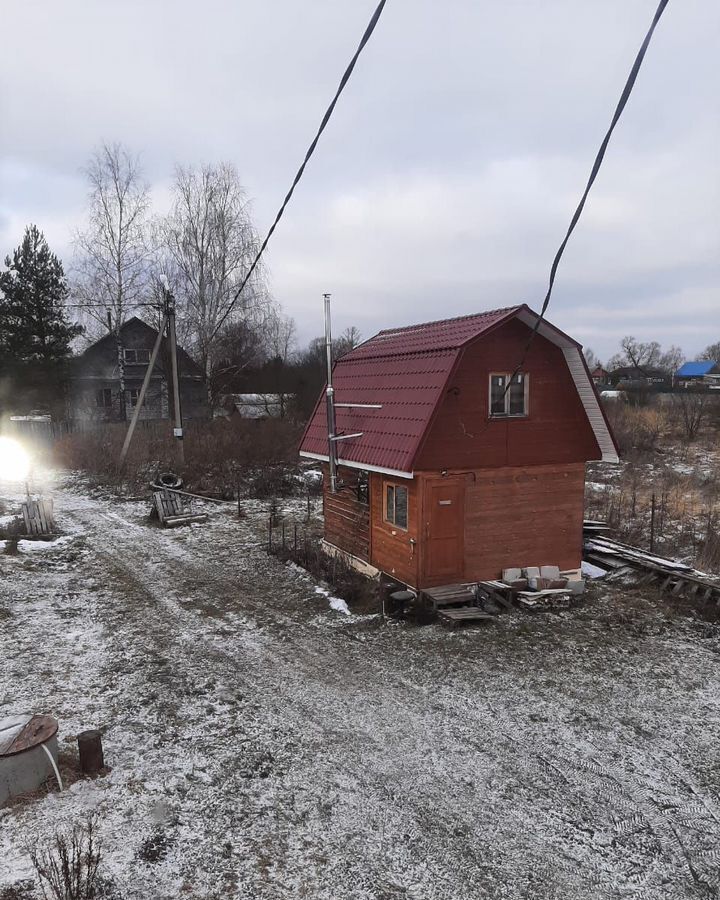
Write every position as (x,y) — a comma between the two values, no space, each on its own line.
(38,516)
(448,595)
(459,615)
(173,510)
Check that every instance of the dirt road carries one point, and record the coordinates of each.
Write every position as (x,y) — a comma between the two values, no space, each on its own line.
(264,745)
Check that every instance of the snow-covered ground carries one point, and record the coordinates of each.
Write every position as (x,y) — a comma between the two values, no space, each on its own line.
(266,745)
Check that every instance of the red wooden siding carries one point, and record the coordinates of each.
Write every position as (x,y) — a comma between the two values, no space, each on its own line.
(392,551)
(523,516)
(555,431)
(347,519)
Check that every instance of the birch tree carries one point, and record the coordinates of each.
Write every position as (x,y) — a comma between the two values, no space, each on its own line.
(113,252)
(211,238)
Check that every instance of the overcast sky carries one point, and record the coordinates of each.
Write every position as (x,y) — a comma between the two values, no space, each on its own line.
(450,170)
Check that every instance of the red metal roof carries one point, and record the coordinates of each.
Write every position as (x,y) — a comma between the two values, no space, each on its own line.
(404,369)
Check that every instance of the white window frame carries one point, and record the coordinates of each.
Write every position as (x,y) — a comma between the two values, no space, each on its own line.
(526,399)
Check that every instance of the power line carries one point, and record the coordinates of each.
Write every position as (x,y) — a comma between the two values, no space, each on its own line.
(311,149)
(624,97)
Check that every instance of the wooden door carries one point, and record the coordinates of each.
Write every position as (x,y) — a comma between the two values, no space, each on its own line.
(444,531)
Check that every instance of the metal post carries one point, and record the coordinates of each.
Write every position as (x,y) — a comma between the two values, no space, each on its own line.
(143,391)
(329,398)
(178,430)
(652,524)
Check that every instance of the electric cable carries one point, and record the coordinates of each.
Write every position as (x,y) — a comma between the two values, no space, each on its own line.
(624,97)
(311,149)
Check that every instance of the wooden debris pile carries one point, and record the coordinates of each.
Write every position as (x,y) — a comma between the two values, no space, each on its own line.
(38,517)
(173,509)
(668,574)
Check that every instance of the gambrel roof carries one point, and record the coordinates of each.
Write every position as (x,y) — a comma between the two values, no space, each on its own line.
(406,370)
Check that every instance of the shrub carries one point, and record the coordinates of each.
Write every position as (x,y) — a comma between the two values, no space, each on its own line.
(219,454)
(68,869)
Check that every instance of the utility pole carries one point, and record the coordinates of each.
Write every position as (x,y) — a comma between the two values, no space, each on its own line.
(170,316)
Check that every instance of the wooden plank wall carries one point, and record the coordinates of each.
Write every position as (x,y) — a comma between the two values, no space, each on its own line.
(523,516)
(392,551)
(347,519)
(555,431)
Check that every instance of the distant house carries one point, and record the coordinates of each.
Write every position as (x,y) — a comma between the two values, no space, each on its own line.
(703,373)
(255,406)
(454,465)
(600,375)
(640,377)
(95,393)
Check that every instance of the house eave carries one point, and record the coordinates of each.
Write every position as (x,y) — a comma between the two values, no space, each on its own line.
(351,464)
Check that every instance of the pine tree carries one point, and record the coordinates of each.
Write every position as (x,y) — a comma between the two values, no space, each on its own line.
(33,320)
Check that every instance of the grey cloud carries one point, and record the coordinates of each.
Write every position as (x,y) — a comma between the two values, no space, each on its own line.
(449,172)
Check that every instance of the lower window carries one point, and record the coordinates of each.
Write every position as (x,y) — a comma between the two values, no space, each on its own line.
(103,398)
(396,505)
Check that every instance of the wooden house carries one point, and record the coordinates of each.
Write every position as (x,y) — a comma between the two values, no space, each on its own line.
(95,385)
(600,376)
(457,476)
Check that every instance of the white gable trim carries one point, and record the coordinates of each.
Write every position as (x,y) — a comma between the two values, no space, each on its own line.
(589,399)
(396,473)
(583,383)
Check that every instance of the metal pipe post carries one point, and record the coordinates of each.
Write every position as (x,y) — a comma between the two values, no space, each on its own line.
(330,399)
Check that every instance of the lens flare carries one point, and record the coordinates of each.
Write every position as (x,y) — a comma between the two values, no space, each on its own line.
(14,461)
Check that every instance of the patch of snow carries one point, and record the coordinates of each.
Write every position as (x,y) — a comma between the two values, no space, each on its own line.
(598,486)
(591,571)
(336,603)
(29,546)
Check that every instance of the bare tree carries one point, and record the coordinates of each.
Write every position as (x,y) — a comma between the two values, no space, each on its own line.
(671,360)
(711,352)
(280,333)
(240,345)
(591,359)
(691,408)
(113,253)
(212,241)
(642,355)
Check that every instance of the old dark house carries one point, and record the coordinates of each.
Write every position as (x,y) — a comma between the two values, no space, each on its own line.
(95,386)
(469,466)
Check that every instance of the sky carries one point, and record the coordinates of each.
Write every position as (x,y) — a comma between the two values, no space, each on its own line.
(449,172)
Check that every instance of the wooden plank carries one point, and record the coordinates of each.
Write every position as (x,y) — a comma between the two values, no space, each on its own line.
(455,617)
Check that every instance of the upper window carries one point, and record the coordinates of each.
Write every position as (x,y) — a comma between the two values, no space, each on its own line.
(512,400)
(396,505)
(137,356)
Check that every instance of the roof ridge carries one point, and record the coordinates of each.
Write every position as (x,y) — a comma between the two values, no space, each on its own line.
(418,325)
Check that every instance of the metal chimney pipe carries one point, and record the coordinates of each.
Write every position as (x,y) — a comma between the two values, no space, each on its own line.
(330,399)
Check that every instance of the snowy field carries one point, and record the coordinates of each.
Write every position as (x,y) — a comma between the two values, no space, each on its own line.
(265,744)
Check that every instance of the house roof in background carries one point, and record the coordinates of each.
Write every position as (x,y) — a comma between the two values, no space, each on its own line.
(188,366)
(406,371)
(701,367)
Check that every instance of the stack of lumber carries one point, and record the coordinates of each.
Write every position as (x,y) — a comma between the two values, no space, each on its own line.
(669,574)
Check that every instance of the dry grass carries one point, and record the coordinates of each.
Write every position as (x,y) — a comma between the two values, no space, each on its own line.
(221,456)
(682,475)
